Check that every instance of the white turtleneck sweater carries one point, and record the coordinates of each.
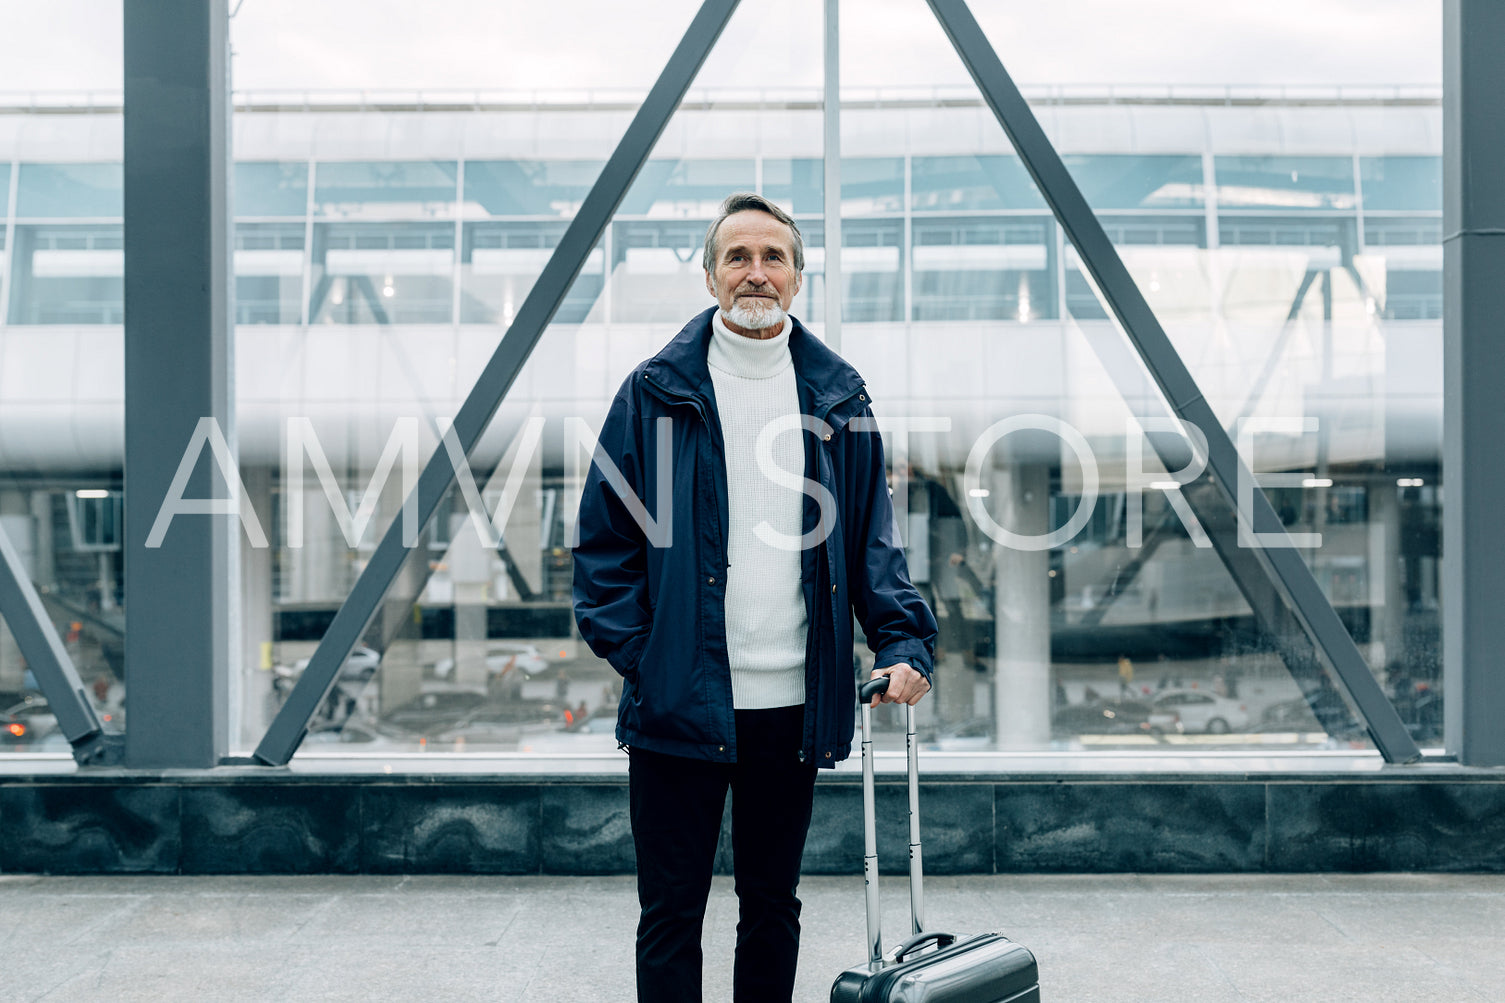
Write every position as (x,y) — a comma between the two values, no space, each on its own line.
(765,601)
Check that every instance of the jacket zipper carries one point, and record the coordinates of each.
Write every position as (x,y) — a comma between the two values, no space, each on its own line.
(670,397)
(831,577)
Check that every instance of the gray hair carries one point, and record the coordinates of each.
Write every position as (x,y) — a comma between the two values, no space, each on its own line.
(741,202)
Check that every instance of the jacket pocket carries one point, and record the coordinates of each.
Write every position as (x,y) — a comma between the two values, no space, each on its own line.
(669,693)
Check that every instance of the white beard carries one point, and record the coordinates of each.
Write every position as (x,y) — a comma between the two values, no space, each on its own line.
(755,315)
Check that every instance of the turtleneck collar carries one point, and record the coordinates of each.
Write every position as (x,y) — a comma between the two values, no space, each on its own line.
(749,358)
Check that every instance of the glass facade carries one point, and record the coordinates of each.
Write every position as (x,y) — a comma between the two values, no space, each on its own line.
(61,275)
(370,292)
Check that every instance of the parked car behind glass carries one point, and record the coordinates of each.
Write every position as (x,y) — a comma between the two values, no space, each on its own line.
(1100,717)
(1204,712)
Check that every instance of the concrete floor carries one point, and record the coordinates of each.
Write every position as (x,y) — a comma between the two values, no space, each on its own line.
(1098,938)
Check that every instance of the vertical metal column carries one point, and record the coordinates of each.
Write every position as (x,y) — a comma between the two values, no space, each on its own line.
(1473,259)
(831,159)
(177,370)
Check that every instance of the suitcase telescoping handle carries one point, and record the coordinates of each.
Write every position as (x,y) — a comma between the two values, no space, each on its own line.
(865,696)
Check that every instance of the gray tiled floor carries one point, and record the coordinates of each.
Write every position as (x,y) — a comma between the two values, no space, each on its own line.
(1098,938)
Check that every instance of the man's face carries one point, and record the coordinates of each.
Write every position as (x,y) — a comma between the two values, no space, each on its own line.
(754,280)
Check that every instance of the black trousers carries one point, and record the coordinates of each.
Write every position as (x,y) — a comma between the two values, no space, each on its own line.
(676,817)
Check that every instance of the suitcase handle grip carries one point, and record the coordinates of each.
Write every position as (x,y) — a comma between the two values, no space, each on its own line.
(919,940)
(872,688)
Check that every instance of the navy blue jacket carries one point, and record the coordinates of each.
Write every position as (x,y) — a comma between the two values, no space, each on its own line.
(657,613)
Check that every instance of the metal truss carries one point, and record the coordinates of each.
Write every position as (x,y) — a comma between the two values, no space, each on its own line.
(21,608)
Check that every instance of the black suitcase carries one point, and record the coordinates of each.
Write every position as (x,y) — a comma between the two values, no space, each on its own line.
(930,966)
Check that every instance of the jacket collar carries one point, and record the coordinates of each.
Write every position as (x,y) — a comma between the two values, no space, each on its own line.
(822,377)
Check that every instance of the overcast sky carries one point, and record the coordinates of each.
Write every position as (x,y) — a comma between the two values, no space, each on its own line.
(53,45)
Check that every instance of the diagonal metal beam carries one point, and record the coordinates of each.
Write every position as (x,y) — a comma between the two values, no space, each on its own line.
(1126,575)
(1281,568)
(291,723)
(21,608)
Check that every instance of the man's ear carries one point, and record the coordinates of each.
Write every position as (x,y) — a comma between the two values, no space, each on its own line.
(710,285)
(799,282)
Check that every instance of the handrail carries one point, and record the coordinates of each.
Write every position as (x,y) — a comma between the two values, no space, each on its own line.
(611,98)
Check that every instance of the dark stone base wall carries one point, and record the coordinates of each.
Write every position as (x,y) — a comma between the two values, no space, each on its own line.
(268,823)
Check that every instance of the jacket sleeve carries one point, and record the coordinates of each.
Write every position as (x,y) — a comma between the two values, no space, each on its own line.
(610,555)
(898,624)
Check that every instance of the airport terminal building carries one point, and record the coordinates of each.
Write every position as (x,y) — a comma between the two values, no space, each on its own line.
(1096,640)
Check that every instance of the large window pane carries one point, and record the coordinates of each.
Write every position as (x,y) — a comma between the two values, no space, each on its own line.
(1165,256)
(528,187)
(69,191)
(500,263)
(405,189)
(1120,181)
(268,272)
(1406,253)
(1401,183)
(872,185)
(61,408)
(686,188)
(266,188)
(1288,183)
(656,276)
(984,268)
(382,273)
(797,184)
(949,184)
(72,274)
(872,271)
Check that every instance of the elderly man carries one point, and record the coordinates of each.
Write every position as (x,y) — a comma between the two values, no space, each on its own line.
(734,519)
